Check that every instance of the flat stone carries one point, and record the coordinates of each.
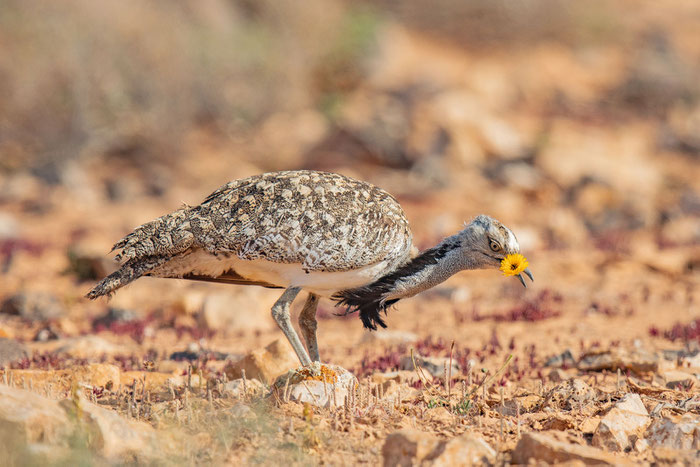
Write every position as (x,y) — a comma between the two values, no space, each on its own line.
(26,417)
(467,449)
(637,360)
(409,447)
(321,385)
(265,364)
(96,375)
(680,433)
(116,438)
(565,358)
(552,448)
(12,351)
(622,425)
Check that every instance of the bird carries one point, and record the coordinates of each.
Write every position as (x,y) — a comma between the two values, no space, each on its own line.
(327,234)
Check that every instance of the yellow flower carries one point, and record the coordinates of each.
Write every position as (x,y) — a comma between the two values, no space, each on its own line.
(513,264)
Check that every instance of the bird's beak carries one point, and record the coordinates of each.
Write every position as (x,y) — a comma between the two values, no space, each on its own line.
(528,273)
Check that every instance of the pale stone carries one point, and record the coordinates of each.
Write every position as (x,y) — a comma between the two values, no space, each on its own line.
(265,364)
(550,448)
(26,417)
(467,449)
(622,425)
(95,375)
(676,433)
(305,388)
(408,447)
(115,437)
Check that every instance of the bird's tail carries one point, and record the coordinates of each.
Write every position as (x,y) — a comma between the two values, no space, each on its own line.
(129,272)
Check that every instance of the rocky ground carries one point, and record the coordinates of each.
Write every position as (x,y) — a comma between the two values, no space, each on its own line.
(587,149)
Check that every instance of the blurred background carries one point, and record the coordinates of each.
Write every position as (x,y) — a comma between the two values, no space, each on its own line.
(577,124)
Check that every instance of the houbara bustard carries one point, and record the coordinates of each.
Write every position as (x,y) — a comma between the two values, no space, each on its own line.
(303,230)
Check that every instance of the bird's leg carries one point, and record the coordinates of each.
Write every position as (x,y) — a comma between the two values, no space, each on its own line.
(280,312)
(307,324)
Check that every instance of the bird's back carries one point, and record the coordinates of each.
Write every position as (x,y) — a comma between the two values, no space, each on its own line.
(323,222)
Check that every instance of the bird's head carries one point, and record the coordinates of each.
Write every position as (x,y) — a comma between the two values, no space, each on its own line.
(491,244)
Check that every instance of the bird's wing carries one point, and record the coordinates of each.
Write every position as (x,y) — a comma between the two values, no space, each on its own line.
(324,221)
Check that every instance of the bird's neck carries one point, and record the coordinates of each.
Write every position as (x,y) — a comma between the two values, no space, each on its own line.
(431,267)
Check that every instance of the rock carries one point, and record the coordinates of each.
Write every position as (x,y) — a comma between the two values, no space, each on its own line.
(409,447)
(96,375)
(388,336)
(589,425)
(679,379)
(641,445)
(557,376)
(675,433)
(467,449)
(265,364)
(570,394)
(306,385)
(638,360)
(554,449)
(236,388)
(114,437)
(26,418)
(12,351)
(559,422)
(433,365)
(89,347)
(235,310)
(622,425)
(35,306)
(565,358)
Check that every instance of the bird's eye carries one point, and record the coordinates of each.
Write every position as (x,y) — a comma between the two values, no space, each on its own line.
(495,246)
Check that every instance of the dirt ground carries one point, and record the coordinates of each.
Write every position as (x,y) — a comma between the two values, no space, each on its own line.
(587,149)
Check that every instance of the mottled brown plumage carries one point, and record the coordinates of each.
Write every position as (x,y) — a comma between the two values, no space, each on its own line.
(321,221)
